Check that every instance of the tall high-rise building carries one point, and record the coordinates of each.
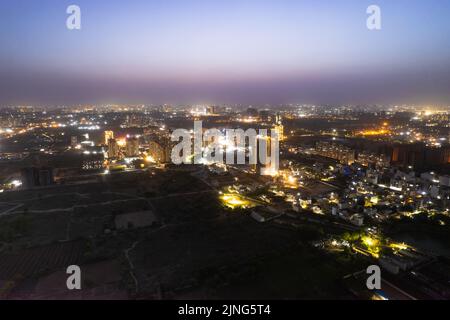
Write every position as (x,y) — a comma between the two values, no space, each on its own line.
(113,149)
(336,151)
(419,155)
(108,135)
(268,156)
(279,128)
(158,152)
(132,148)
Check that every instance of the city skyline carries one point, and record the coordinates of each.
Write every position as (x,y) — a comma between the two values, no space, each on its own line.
(351,197)
(244,52)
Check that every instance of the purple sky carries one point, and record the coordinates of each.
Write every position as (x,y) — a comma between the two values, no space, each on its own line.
(249,52)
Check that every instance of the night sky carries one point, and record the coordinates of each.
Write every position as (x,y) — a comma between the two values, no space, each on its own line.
(233,51)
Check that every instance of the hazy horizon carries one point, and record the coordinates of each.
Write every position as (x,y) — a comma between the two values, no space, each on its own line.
(224,52)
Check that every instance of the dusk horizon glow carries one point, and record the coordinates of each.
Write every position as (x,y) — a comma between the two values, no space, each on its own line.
(246,52)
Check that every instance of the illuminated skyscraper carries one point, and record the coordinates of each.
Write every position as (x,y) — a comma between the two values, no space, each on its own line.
(113,149)
(108,135)
(268,155)
(160,153)
(279,128)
